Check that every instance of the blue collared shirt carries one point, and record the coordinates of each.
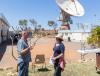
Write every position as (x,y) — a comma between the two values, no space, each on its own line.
(22,44)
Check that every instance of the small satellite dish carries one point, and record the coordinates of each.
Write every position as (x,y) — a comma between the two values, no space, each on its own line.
(72,7)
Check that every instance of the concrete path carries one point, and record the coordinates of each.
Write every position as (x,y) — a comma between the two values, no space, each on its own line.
(6,59)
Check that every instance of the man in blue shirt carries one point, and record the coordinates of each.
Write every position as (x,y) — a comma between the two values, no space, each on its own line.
(24,56)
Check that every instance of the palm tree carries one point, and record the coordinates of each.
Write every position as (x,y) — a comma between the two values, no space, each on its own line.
(23,24)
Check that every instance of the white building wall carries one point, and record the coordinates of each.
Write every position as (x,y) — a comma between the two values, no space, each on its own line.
(79,36)
(74,36)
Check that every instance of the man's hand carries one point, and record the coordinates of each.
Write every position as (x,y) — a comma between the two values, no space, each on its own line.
(54,58)
(30,47)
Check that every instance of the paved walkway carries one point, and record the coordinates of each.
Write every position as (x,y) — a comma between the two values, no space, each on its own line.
(6,59)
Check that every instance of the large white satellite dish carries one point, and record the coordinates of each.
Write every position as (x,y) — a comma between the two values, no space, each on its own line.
(72,7)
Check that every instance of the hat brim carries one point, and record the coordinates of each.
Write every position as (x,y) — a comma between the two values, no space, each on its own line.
(59,38)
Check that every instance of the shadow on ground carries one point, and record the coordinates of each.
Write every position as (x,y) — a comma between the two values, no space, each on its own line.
(43,70)
(98,72)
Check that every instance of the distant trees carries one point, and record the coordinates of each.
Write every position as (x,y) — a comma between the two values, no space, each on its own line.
(82,26)
(24,24)
(94,38)
(37,28)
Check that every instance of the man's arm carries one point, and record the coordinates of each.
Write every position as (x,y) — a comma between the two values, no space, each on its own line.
(57,57)
(21,50)
(25,51)
(62,48)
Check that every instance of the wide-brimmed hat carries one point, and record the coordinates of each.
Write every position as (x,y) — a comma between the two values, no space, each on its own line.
(59,36)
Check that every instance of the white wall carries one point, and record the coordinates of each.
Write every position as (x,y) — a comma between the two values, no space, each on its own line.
(74,36)
(79,37)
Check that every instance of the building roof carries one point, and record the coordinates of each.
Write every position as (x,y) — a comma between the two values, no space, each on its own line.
(4,19)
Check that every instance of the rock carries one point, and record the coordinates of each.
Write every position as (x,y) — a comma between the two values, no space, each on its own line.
(12,74)
(1,69)
(9,68)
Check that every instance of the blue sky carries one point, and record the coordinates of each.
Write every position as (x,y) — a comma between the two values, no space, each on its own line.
(44,10)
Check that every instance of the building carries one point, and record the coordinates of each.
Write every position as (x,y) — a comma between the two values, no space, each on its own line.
(75,35)
(4,28)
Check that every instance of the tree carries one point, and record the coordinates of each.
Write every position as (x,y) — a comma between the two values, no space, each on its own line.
(42,29)
(34,23)
(94,38)
(52,24)
(39,27)
(23,24)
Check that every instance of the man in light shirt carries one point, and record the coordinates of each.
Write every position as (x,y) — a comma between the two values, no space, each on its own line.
(24,55)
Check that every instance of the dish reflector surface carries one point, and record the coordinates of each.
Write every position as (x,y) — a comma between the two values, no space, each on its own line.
(72,7)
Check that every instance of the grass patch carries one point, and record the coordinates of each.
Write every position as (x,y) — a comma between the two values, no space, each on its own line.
(73,69)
